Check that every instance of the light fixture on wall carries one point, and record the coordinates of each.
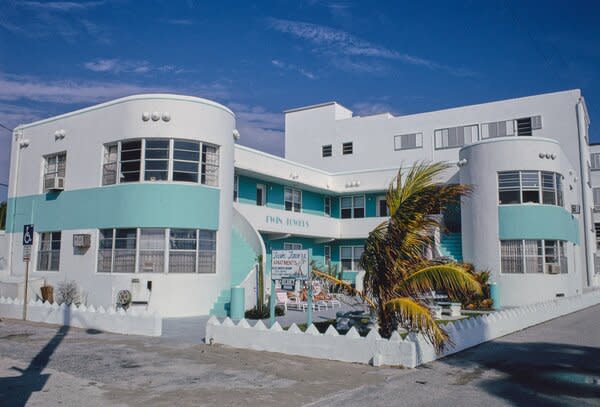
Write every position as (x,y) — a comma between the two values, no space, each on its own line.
(59,134)
(166,116)
(155,116)
(461,163)
(236,134)
(24,143)
(145,116)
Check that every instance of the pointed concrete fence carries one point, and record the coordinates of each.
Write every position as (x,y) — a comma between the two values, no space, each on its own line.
(131,322)
(411,351)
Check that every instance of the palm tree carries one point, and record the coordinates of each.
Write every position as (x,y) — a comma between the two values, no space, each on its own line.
(397,274)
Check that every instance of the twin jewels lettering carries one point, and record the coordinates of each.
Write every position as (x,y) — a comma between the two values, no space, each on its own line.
(276,220)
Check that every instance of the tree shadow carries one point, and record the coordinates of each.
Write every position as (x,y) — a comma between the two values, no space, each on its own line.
(539,373)
(16,390)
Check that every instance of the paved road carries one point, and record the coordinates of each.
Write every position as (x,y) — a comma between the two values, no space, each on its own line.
(553,364)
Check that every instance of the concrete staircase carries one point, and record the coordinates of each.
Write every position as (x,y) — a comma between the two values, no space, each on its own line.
(243,259)
(451,246)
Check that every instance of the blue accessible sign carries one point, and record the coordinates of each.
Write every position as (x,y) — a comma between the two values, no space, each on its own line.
(27,235)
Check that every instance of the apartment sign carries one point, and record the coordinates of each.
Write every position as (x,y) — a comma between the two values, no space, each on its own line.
(286,221)
(292,264)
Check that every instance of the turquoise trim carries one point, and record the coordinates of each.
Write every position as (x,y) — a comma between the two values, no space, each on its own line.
(125,205)
(537,222)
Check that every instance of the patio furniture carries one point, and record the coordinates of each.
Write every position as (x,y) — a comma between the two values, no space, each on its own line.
(437,311)
(282,299)
(453,307)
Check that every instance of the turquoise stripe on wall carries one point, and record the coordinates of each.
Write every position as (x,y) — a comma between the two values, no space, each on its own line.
(537,222)
(126,205)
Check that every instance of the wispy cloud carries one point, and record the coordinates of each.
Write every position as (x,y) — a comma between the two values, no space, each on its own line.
(260,128)
(371,108)
(334,42)
(60,5)
(117,66)
(179,21)
(20,87)
(292,67)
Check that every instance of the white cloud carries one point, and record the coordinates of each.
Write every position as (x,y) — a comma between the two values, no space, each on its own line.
(371,108)
(117,66)
(291,67)
(260,128)
(333,42)
(179,21)
(60,5)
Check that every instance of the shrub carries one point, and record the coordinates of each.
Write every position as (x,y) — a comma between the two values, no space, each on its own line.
(67,293)
(262,313)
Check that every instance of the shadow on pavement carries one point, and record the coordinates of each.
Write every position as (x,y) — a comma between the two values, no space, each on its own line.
(536,374)
(15,391)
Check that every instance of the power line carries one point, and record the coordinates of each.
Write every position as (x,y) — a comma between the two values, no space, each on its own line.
(6,127)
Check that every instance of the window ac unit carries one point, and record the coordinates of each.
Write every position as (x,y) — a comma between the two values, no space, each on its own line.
(576,209)
(55,184)
(553,268)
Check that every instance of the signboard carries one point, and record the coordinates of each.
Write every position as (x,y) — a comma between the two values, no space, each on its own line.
(27,235)
(291,264)
(26,253)
(288,284)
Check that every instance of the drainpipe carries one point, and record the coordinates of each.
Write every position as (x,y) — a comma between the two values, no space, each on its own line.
(17,138)
(583,175)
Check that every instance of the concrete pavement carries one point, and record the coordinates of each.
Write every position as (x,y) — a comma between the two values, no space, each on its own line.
(554,364)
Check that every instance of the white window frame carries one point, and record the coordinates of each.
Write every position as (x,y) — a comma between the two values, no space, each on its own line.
(292,246)
(525,266)
(398,145)
(327,209)
(595,161)
(55,173)
(262,188)
(354,260)
(52,253)
(207,166)
(327,254)
(293,201)
(439,134)
(353,206)
(557,188)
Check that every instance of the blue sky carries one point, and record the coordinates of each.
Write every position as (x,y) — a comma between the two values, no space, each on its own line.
(260,58)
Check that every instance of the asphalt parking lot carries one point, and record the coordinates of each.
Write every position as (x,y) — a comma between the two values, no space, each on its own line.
(553,364)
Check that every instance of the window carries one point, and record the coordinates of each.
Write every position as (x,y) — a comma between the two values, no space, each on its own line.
(210,165)
(182,250)
(596,193)
(236,188)
(54,166)
(110,166)
(131,158)
(327,205)
(293,199)
(515,187)
(533,256)
(456,136)
(261,194)
(524,127)
(186,158)
(504,128)
(49,251)
(597,229)
(408,141)
(347,148)
(152,250)
(327,150)
(327,254)
(156,160)
(350,257)
(382,208)
(292,246)
(595,161)
(353,206)
(160,160)
(146,251)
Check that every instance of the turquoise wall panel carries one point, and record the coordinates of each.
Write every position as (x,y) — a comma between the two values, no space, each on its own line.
(371,205)
(537,222)
(246,190)
(313,203)
(275,196)
(126,205)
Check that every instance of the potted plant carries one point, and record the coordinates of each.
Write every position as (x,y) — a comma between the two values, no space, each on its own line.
(47,292)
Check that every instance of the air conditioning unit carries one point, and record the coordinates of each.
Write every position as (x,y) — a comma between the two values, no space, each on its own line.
(553,268)
(596,208)
(54,184)
(576,209)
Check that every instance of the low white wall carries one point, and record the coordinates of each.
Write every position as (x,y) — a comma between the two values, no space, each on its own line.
(131,322)
(409,352)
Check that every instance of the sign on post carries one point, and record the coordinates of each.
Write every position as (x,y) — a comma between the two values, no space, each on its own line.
(291,264)
(27,242)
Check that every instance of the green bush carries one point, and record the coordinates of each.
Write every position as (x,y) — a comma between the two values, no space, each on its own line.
(262,313)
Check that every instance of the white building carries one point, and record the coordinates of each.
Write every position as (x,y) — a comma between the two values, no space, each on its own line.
(150,179)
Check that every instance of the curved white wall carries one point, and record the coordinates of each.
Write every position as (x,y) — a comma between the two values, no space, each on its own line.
(480,228)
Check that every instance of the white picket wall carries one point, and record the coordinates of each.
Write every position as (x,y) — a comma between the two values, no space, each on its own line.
(372,349)
(131,322)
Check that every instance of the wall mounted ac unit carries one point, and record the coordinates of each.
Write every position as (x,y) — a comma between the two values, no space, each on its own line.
(553,268)
(576,209)
(55,184)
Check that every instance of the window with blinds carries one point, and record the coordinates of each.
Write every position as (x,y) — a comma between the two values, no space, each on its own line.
(408,141)
(454,137)
(513,127)
(596,192)
(595,161)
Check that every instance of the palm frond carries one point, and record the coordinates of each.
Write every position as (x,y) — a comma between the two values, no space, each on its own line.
(416,316)
(344,284)
(454,278)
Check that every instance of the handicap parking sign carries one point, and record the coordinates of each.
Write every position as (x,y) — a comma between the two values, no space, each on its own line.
(27,235)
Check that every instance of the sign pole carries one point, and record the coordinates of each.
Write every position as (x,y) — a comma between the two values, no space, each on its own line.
(27,243)
(26,289)
(309,311)
(272,304)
